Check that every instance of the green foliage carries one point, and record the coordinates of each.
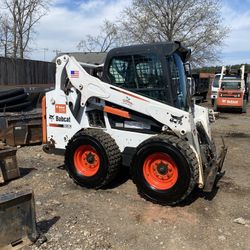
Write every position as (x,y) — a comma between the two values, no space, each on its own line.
(217,69)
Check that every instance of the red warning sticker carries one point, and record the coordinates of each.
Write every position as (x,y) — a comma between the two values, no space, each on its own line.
(60,108)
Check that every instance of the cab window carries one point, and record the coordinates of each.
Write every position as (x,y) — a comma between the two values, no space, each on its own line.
(142,74)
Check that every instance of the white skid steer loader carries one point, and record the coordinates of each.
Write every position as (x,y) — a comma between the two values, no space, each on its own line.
(139,114)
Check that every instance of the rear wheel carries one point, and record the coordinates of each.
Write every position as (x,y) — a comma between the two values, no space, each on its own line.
(215,105)
(92,158)
(165,169)
(244,107)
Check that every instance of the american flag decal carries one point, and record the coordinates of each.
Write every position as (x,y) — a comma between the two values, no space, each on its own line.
(74,73)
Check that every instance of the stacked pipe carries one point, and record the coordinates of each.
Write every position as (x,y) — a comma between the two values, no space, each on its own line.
(14,100)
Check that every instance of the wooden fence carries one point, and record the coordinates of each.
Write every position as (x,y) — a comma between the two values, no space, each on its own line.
(14,72)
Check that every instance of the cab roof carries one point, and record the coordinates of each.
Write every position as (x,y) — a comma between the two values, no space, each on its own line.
(165,48)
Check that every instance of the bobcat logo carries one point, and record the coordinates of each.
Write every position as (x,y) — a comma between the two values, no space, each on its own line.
(51,117)
(176,119)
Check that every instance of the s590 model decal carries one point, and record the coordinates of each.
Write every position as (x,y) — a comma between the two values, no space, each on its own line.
(57,125)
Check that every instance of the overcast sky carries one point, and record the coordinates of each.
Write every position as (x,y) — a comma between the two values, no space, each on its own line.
(69,21)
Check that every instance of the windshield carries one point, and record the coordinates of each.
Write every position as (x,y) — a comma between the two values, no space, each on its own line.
(231,83)
(179,81)
(216,81)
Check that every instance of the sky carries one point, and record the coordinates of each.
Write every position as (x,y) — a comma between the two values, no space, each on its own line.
(69,21)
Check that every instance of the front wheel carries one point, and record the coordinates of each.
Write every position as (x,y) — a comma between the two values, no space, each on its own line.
(92,158)
(165,170)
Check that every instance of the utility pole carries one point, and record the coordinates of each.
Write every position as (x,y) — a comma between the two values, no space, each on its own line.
(44,52)
(57,51)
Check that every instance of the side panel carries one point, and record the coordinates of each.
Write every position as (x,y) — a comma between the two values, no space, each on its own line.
(61,124)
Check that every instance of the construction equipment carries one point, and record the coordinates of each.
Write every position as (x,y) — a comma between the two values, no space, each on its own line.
(9,169)
(139,114)
(232,92)
(21,128)
(215,88)
(18,220)
(201,86)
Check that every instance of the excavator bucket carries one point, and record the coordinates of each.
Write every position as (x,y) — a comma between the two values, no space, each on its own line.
(17,220)
(215,169)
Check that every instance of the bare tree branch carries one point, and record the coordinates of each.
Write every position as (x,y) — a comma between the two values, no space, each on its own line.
(102,42)
(196,23)
(23,16)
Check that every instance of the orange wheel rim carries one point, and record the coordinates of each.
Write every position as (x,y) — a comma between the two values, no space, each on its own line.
(86,160)
(160,171)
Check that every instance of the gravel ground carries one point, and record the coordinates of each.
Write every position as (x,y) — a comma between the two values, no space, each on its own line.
(71,217)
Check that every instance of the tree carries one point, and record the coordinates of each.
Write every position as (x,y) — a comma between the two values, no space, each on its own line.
(195,23)
(22,17)
(5,35)
(102,42)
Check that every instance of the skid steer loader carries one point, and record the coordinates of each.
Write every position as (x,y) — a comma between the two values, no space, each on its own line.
(138,114)
(232,91)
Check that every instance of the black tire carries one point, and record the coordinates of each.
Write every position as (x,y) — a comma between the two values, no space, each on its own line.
(212,102)
(13,100)
(204,96)
(10,93)
(244,107)
(17,107)
(215,105)
(107,151)
(182,157)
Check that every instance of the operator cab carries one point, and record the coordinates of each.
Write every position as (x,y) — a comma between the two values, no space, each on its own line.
(232,83)
(154,70)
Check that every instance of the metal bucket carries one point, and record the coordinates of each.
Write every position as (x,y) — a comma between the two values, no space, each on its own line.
(17,220)
(8,164)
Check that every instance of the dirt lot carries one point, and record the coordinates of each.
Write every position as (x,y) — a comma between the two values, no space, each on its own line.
(117,218)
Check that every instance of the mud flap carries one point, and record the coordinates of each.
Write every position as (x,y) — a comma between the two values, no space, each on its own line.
(215,169)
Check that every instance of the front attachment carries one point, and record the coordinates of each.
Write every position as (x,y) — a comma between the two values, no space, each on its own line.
(215,169)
